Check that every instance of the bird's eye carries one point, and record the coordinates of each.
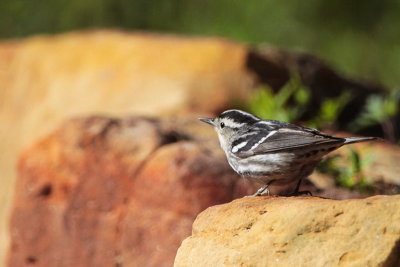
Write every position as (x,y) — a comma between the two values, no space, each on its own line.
(222,125)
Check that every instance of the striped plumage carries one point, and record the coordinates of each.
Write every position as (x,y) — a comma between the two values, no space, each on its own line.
(273,152)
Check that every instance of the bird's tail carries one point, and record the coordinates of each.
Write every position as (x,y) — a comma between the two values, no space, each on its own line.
(351,140)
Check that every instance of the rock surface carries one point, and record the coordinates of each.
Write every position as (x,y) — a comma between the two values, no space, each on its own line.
(103,191)
(46,79)
(297,231)
(114,192)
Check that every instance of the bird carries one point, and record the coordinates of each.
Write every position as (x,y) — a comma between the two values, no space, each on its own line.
(272,151)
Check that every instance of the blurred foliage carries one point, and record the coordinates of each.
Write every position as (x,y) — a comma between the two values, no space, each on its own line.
(330,111)
(348,169)
(380,110)
(359,37)
(291,102)
(288,104)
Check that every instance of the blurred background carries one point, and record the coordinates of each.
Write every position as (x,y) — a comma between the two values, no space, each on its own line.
(359,38)
(333,65)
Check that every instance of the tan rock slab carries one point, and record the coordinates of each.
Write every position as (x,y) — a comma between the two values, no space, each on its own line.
(296,231)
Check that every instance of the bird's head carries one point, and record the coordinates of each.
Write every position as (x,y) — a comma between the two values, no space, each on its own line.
(229,123)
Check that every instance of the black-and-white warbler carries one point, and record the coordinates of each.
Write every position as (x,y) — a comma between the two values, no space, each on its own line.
(273,151)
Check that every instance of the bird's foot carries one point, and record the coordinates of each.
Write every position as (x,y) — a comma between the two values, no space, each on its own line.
(299,193)
(260,191)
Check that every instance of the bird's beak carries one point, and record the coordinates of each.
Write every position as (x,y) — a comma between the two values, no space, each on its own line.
(208,120)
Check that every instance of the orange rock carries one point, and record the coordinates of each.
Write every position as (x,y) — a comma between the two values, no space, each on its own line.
(113,192)
(46,79)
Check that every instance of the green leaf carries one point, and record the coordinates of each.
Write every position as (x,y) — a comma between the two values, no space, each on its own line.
(286,105)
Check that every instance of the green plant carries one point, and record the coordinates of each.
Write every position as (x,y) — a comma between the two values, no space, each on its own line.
(348,170)
(288,104)
(330,111)
(380,110)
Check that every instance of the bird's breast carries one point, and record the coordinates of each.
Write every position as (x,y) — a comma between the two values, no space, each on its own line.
(261,165)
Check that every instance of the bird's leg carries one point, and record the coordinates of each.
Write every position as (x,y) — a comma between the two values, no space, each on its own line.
(296,191)
(261,190)
(298,186)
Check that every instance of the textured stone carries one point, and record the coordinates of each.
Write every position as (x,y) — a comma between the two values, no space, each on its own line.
(114,192)
(103,191)
(46,79)
(296,231)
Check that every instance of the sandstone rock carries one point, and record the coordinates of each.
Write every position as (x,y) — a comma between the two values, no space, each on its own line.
(114,192)
(103,191)
(46,79)
(297,231)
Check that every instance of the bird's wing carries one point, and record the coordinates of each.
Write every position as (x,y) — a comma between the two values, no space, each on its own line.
(283,138)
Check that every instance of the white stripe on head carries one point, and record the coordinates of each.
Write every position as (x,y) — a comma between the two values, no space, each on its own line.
(262,140)
(231,123)
(241,112)
(246,114)
(234,118)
